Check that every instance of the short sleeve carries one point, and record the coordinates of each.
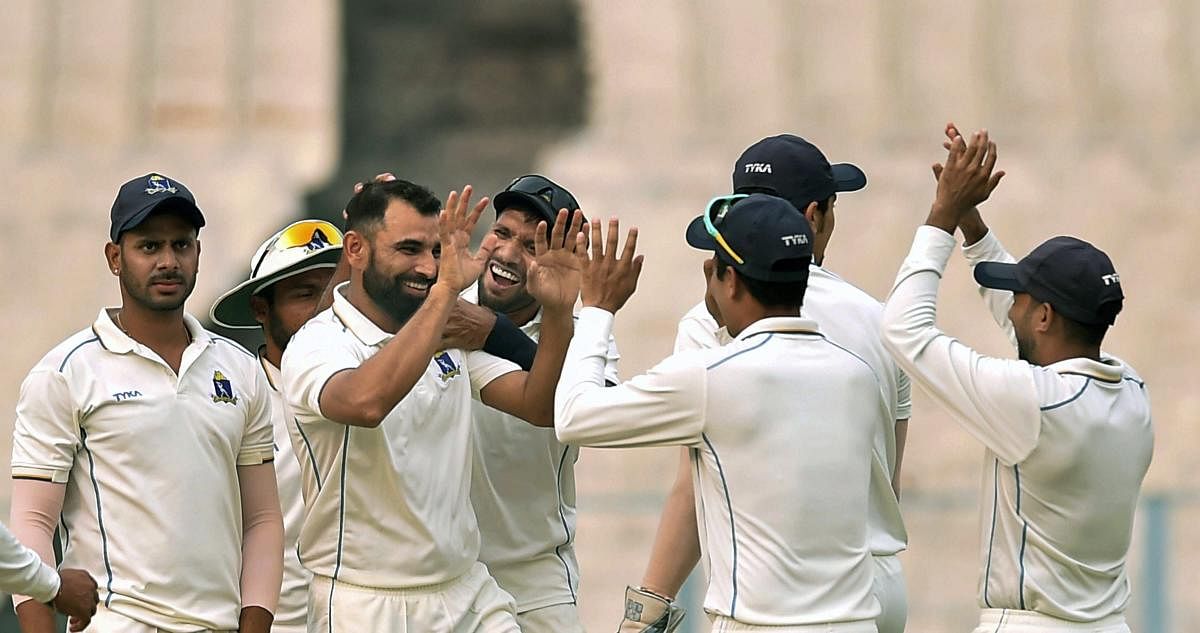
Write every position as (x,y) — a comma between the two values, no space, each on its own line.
(311,359)
(483,368)
(258,441)
(46,434)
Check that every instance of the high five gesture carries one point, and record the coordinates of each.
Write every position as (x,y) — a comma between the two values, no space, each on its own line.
(608,280)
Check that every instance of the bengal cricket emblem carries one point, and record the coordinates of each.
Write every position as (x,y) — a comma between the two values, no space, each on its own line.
(446,364)
(158,184)
(222,389)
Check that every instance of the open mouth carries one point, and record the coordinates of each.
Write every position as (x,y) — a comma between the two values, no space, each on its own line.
(503,277)
(417,286)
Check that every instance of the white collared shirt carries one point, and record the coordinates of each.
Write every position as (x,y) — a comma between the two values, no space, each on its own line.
(523,491)
(1067,447)
(293,595)
(781,443)
(851,318)
(149,458)
(385,507)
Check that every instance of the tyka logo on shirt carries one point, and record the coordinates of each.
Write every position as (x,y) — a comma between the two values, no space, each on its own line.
(446,364)
(222,389)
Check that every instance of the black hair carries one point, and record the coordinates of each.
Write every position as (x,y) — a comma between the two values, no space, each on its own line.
(365,211)
(774,294)
(1083,333)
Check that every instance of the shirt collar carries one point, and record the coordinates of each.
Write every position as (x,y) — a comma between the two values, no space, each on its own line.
(114,339)
(274,376)
(789,325)
(359,325)
(1106,370)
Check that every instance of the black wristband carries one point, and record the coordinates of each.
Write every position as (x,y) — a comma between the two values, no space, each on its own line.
(507,341)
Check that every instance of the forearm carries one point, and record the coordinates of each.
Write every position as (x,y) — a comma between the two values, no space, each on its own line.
(901,440)
(972,226)
(544,375)
(255,620)
(35,617)
(365,395)
(676,547)
(28,569)
(262,538)
(987,248)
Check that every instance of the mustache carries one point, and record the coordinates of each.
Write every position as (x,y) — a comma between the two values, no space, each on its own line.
(167,278)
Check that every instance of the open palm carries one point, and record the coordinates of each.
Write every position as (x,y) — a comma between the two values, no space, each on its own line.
(459,267)
(554,275)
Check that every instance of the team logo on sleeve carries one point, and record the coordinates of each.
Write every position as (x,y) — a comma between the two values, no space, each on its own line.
(222,389)
(446,364)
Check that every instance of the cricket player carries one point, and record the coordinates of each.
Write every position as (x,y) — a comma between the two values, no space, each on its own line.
(384,416)
(779,423)
(523,481)
(71,592)
(288,273)
(146,440)
(1066,427)
(791,167)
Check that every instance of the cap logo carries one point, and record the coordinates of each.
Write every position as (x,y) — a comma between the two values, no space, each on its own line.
(158,184)
(794,240)
(318,242)
(758,168)
(1110,279)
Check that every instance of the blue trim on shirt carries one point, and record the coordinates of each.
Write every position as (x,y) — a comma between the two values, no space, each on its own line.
(337,565)
(1073,398)
(1134,381)
(236,345)
(75,349)
(1024,532)
(99,515)
(987,572)
(729,507)
(860,358)
(562,516)
(312,459)
(770,335)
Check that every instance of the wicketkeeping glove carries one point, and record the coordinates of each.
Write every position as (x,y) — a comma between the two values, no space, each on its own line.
(648,612)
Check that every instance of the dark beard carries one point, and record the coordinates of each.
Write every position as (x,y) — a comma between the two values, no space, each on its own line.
(1025,350)
(277,331)
(389,294)
(140,293)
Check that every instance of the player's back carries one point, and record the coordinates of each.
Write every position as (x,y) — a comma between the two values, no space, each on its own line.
(783,477)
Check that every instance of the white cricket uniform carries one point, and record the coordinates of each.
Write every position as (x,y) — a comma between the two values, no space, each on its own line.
(1067,447)
(767,417)
(149,458)
(851,318)
(23,572)
(387,509)
(523,492)
(292,612)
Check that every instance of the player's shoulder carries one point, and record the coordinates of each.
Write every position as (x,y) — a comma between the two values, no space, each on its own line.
(319,330)
(698,315)
(235,351)
(70,351)
(829,286)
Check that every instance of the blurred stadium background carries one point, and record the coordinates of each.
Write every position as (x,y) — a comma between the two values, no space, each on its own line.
(270,110)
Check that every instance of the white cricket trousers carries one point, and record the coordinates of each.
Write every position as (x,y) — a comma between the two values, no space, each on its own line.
(722,624)
(559,618)
(109,621)
(1011,621)
(471,603)
(892,594)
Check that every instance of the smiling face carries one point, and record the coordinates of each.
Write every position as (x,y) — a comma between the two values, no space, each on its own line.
(157,262)
(401,261)
(284,307)
(502,285)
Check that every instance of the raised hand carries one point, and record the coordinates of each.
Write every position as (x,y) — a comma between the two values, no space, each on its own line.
(607,280)
(554,274)
(966,179)
(77,597)
(459,267)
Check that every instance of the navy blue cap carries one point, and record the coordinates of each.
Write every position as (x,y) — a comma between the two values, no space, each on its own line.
(139,197)
(771,236)
(537,194)
(1073,276)
(792,168)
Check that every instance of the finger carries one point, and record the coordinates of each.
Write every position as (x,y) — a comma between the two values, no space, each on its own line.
(451,204)
(597,242)
(477,212)
(558,230)
(358,187)
(573,230)
(957,147)
(630,245)
(386,176)
(969,156)
(586,231)
(487,246)
(995,180)
(637,268)
(581,247)
(464,201)
(614,234)
(946,145)
(984,145)
(989,163)
(937,171)
(539,239)
(951,130)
